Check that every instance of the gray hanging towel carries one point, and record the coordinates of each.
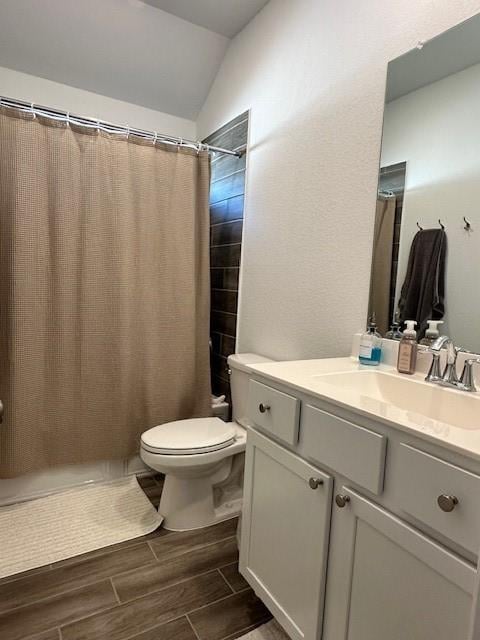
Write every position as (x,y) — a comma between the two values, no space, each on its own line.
(423,292)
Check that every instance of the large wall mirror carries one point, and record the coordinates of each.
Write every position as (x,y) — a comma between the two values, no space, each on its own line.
(426,254)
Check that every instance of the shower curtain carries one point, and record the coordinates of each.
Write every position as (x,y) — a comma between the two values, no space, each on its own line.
(104,291)
(380,280)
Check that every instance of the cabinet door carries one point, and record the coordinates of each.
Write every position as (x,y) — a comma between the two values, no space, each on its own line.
(387,580)
(285,530)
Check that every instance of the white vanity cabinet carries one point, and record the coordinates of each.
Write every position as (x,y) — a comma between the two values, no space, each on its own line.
(400,567)
(285,529)
(391,582)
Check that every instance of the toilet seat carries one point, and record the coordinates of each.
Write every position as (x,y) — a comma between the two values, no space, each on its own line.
(189,437)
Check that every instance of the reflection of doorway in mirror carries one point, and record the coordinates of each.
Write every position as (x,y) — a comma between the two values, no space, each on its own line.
(388,220)
(392,179)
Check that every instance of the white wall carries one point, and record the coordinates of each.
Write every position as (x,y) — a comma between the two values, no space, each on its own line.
(22,86)
(436,129)
(313,74)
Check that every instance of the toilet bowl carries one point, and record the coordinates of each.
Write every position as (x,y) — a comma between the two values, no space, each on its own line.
(202,459)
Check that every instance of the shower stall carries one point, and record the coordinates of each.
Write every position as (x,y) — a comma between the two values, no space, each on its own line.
(104,295)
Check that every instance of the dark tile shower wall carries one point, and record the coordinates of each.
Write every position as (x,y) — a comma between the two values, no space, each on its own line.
(226,225)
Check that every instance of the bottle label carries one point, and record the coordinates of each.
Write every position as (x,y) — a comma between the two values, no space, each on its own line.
(366,347)
(405,358)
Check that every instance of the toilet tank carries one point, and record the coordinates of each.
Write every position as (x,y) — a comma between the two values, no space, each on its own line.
(239,375)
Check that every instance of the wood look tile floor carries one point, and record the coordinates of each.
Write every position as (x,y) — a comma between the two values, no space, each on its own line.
(164,586)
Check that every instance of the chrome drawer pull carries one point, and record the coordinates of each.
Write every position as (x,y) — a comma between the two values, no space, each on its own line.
(447,503)
(341,500)
(263,408)
(315,483)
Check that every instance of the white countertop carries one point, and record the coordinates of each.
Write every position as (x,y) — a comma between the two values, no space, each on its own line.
(447,417)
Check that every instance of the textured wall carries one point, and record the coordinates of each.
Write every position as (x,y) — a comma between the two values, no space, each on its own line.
(23,86)
(313,74)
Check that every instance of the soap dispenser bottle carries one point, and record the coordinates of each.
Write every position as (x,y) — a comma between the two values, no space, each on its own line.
(394,333)
(432,332)
(407,349)
(370,351)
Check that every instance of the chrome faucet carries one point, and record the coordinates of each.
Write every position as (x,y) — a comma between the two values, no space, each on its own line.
(449,377)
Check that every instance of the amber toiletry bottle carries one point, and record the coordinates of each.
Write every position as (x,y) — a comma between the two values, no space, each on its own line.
(407,349)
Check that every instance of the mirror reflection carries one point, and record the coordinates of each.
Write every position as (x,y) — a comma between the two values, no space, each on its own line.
(426,253)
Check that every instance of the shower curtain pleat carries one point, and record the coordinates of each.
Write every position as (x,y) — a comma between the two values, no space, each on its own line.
(104,291)
(380,279)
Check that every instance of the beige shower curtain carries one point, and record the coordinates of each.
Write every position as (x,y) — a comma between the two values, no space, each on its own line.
(104,291)
(380,284)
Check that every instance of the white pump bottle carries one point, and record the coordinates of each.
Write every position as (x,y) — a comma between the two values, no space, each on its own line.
(432,332)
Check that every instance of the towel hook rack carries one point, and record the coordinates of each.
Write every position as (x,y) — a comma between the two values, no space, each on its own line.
(421,228)
(468,226)
(440,223)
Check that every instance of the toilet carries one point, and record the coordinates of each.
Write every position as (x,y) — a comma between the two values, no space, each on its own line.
(202,459)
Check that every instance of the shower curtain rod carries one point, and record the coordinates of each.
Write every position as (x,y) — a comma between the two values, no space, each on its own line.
(108,127)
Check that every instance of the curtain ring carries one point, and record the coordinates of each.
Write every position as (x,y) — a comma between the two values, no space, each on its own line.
(32,104)
(68,118)
(155,136)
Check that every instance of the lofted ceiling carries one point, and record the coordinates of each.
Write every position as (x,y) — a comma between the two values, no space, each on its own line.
(124,49)
(226,17)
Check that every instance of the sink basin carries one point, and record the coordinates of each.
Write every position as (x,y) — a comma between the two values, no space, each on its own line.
(418,400)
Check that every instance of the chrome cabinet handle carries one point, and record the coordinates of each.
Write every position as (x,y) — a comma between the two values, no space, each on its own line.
(1,411)
(341,500)
(263,408)
(315,483)
(447,503)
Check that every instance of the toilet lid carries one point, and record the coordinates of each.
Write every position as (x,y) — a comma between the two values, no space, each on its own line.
(184,437)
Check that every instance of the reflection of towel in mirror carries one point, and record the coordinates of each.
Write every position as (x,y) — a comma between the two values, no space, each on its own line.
(423,292)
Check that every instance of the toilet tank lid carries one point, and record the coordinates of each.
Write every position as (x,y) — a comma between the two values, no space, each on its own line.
(241,361)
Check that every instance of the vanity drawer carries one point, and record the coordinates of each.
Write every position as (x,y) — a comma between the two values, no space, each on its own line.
(426,479)
(274,411)
(354,452)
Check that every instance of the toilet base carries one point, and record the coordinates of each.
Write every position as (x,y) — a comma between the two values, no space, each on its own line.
(221,516)
(188,503)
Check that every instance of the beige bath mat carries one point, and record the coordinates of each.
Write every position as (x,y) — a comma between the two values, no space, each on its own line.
(67,524)
(270,631)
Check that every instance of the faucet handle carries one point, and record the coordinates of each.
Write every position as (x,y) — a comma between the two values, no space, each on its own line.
(467,378)
(434,373)
(462,350)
